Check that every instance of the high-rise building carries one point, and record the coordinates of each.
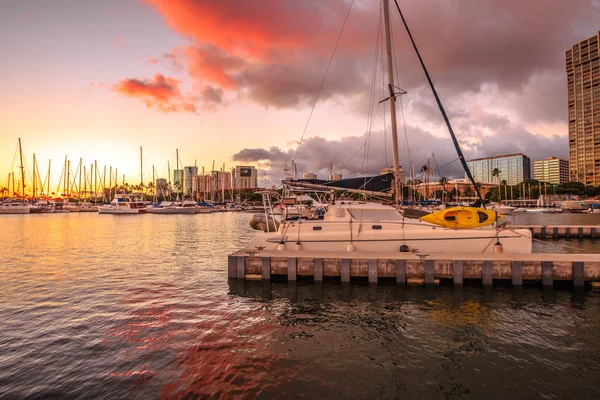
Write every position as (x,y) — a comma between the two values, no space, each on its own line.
(245,177)
(583,90)
(512,168)
(188,174)
(177,185)
(309,175)
(552,170)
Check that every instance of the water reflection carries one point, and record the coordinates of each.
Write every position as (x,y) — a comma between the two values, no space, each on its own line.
(107,307)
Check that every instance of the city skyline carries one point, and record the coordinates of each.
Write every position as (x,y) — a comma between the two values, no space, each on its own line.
(98,80)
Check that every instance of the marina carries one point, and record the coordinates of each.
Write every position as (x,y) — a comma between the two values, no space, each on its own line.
(292,199)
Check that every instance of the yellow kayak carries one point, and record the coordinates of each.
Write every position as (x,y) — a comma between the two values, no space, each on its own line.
(462,217)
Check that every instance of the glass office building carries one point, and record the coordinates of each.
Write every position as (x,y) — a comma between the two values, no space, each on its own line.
(552,170)
(583,88)
(513,168)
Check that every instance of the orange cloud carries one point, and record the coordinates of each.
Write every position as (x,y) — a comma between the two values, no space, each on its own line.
(161,92)
(149,60)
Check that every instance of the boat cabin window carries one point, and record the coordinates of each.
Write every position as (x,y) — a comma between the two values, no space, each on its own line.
(450,216)
(482,217)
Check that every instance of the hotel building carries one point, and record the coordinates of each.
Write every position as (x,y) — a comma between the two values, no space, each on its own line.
(583,91)
(514,169)
(245,177)
(551,170)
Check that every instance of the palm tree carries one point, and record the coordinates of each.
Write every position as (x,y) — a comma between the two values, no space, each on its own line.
(496,173)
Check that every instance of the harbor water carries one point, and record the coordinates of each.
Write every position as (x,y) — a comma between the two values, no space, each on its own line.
(140,307)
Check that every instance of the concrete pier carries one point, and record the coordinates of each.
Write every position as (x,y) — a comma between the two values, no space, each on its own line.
(562,231)
(404,267)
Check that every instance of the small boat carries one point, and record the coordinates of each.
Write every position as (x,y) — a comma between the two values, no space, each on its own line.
(462,217)
(15,207)
(88,207)
(124,204)
(71,207)
(171,207)
(43,207)
(504,209)
(259,222)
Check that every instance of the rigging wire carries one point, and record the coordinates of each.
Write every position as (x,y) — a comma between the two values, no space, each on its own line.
(441,107)
(323,80)
(371,100)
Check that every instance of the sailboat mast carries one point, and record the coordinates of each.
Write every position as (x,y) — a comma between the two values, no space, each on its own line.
(34,176)
(95,181)
(141,171)
(80,172)
(49,163)
(392,99)
(22,170)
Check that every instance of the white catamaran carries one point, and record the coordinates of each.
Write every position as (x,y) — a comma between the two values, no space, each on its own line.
(371,227)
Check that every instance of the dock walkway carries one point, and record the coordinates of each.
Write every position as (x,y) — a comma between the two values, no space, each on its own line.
(406,267)
(562,231)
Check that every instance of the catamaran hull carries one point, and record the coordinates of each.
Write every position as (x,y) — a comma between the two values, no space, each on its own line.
(421,240)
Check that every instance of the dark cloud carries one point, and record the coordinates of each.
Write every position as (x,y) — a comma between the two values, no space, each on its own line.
(316,154)
(275,52)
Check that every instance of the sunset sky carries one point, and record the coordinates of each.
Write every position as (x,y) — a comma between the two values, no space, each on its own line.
(234,81)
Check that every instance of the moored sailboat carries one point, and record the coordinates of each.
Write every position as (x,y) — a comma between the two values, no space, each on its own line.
(372,227)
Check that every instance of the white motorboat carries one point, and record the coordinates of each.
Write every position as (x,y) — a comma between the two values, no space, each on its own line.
(502,209)
(43,207)
(544,210)
(71,207)
(124,204)
(88,207)
(15,207)
(171,207)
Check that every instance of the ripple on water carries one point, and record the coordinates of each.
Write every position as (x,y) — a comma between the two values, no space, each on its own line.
(141,308)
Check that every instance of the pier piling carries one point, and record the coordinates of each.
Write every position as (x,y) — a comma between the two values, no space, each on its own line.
(425,269)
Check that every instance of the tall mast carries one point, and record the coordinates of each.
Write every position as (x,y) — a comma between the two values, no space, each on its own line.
(392,99)
(49,163)
(180,186)
(84,181)
(154,186)
(22,170)
(68,179)
(80,171)
(95,181)
(104,184)
(141,171)
(168,179)
(34,176)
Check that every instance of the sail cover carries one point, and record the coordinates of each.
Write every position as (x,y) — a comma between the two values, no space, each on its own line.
(378,183)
